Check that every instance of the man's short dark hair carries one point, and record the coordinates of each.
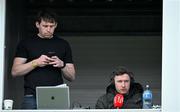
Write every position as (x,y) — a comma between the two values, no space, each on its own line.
(120,71)
(46,15)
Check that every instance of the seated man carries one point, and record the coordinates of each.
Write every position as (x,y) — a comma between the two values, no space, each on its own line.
(121,82)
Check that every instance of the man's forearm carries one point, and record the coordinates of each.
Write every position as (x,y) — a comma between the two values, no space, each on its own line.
(23,69)
(69,72)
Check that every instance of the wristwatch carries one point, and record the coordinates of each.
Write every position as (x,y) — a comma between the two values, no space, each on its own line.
(34,64)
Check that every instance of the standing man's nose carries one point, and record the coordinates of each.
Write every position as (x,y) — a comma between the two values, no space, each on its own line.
(48,29)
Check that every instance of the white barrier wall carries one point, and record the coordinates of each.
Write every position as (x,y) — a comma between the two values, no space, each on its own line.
(2,37)
(90,110)
(171,56)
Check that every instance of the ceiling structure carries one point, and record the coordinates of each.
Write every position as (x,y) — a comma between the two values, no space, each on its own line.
(124,17)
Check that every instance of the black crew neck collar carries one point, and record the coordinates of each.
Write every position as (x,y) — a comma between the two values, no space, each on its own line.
(45,38)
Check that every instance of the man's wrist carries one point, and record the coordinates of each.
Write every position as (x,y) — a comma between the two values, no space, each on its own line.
(34,64)
(63,66)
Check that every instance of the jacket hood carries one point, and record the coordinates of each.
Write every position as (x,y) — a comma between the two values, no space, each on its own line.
(134,89)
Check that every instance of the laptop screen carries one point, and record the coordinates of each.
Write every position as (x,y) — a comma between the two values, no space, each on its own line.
(52,97)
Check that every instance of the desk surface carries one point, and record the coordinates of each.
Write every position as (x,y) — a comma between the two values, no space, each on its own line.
(88,110)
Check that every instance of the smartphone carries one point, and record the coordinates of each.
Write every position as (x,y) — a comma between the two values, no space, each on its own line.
(50,54)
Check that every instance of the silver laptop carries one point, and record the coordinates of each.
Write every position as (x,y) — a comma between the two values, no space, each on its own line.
(50,97)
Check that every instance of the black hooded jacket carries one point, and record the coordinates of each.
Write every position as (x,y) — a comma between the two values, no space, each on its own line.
(131,101)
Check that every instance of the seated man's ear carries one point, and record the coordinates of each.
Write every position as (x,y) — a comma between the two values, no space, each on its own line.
(112,80)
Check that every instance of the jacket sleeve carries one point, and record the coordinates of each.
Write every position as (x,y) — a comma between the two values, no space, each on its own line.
(134,102)
(101,103)
(139,102)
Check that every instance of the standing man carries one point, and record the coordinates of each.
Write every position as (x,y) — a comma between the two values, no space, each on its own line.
(42,59)
(121,82)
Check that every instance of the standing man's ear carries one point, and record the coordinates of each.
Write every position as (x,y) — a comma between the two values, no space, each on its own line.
(56,25)
(37,24)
